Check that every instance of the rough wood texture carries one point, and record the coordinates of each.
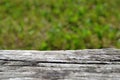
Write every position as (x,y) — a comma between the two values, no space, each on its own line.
(88,64)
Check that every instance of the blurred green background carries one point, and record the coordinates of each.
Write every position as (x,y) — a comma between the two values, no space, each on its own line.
(59,24)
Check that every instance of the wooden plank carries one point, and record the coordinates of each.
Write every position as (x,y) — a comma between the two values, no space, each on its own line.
(77,56)
(88,64)
(85,72)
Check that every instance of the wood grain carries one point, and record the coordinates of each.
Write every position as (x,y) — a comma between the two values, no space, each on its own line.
(87,64)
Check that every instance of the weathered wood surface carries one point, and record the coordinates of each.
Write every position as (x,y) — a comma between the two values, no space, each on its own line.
(88,64)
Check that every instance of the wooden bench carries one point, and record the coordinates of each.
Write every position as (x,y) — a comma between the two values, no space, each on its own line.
(87,64)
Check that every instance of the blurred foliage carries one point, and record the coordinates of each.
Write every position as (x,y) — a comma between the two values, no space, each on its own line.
(59,24)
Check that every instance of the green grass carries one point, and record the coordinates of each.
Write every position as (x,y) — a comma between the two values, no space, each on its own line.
(59,24)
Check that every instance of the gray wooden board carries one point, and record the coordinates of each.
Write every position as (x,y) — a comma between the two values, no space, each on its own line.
(87,64)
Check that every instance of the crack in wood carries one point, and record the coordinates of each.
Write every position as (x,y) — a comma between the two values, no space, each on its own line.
(35,63)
